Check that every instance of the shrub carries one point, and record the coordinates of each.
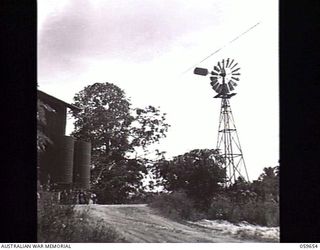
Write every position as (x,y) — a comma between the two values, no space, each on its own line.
(221,208)
(142,198)
(265,213)
(176,206)
(62,223)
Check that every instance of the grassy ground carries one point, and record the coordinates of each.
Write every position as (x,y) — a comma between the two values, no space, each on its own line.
(62,223)
(178,206)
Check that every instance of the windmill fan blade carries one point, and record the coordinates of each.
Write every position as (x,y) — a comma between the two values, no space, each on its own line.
(230,86)
(219,65)
(214,73)
(234,78)
(233,83)
(225,89)
(216,87)
(216,68)
(219,88)
(234,65)
(214,83)
(223,63)
(212,78)
(235,70)
(227,62)
(236,74)
(231,62)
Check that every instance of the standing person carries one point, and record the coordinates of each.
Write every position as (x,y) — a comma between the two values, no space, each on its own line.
(76,198)
(63,197)
(82,199)
(94,198)
(90,201)
(69,197)
(85,196)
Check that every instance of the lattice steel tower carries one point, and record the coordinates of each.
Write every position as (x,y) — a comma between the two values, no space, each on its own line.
(224,78)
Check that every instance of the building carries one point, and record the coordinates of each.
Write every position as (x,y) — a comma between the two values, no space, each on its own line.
(65,164)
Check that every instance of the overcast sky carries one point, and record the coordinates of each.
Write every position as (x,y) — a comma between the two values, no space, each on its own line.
(144,46)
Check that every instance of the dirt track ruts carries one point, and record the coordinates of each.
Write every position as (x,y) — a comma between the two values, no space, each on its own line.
(140,223)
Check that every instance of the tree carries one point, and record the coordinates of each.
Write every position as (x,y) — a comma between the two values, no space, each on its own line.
(116,131)
(270,182)
(199,173)
(240,191)
(267,185)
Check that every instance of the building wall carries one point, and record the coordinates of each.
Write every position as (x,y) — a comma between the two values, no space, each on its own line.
(57,161)
(56,121)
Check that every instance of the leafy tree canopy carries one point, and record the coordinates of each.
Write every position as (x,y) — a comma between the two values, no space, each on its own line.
(116,131)
(265,188)
(267,185)
(199,173)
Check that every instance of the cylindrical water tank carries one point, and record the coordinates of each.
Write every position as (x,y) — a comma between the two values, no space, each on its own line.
(82,159)
(63,166)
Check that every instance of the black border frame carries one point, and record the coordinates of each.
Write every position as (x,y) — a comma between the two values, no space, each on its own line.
(299,121)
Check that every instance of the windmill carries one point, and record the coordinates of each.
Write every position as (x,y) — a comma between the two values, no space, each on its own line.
(224,78)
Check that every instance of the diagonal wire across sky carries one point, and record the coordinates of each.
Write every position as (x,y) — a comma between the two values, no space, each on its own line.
(243,33)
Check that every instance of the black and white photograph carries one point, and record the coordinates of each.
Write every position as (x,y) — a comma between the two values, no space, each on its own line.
(158,121)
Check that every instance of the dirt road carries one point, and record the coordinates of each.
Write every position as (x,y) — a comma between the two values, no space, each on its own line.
(139,223)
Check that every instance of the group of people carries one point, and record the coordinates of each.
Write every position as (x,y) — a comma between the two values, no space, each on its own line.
(80,197)
(85,198)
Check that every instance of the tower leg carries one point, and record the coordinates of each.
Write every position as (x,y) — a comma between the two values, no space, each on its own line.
(229,146)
